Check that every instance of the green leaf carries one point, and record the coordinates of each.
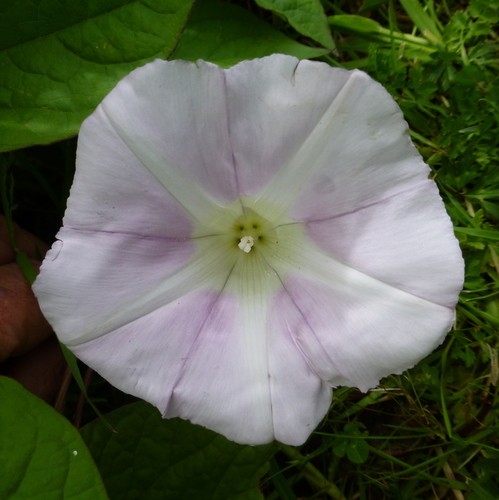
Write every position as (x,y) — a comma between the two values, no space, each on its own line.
(226,34)
(42,455)
(357,25)
(424,21)
(352,443)
(306,16)
(357,451)
(61,58)
(152,458)
(371,30)
(486,234)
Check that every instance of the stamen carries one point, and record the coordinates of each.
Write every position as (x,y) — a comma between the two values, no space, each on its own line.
(246,243)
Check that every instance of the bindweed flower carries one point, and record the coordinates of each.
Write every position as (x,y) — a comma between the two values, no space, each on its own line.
(237,242)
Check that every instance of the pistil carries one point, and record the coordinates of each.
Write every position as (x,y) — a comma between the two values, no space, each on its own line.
(246,243)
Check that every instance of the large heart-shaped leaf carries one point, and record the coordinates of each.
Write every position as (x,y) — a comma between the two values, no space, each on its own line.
(59,58)
(42,455)
(152,458)
(227,34)
(306,16)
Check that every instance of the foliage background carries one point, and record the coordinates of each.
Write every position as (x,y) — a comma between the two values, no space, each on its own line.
(429,433)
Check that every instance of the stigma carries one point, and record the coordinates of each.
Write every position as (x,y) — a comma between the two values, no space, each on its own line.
(246,243)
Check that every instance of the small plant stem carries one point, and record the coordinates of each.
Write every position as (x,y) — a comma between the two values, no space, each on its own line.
(312,474)
(449,474)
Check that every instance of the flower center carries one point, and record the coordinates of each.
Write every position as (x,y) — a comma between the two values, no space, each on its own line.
(238,238)
(246,243)
(252,232)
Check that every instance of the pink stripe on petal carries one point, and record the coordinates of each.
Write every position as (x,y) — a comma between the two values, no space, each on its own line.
(145,357)
(113,191)
(273,105)
(192,359)
(361,334)
(358,151)
(300,399)
(98,273)
(224,384)
(173,115)
(405,240)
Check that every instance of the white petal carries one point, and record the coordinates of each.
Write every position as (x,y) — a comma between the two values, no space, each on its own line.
(224,383)
(113,192)
(357,151)
(354,329)
(90,281)
(274,104)
(300,399)
(112,279)
(221,360)
(406,241)
(234,381)
(173,116)
(145,356)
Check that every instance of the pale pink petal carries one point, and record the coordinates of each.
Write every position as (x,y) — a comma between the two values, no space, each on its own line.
(113,192)
(173,116)
(406,241)
(219,359)
(358,153)
(354,329)
(224,383)
(274,104)
(152,348)
(300,398)
(90,277)
(233,378)
(118,218)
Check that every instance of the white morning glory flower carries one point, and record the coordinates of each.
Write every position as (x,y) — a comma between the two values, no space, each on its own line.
(239,241)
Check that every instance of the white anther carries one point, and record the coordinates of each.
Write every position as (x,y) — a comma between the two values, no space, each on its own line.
(246,243)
